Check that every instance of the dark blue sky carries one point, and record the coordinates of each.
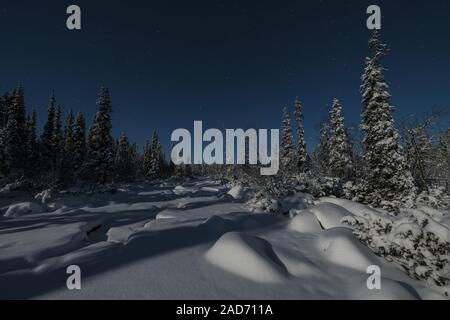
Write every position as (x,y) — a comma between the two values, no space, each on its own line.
(229,63)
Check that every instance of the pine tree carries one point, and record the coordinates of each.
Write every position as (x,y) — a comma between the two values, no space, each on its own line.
(79,147)
(100,157)
(340,163)
(302,155)
(389,182)
(287,150)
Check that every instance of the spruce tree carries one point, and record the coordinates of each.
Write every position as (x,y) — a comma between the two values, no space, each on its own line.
(147,160)
(79,147)
(68,164)
(156,157)
(15,135)
(100,156)
(287,150)
(322,153)
(389,182)
(4,105)
(340,163)
(47,137)
(419,153)
(58,143)
(136,161)
(302,155)
(32,153)
(123,163)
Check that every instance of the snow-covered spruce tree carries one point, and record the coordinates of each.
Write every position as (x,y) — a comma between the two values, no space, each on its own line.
(340,159)
(287,150)
(58,143)
(123,163)
(284,181)
(32,151)
(47,153)
(147,159)
(98,166)
(155,157)
(15,135)
(389,181)
(419,153)
(4,105)
(79,145)
(136,162)
(322,152)
(302,155)
(68,163)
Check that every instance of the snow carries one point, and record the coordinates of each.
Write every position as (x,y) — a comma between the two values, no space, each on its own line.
(329,214)
(247,256)
(23,208)
(237,192)
(189,241)
(342,248)
(304,221)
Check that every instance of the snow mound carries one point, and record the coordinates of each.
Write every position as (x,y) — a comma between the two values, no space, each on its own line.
(210,189)
(120,234)
(181,190)
(237,192)
(341,247)
(247,256)
(166,214)
(355,208)
(304,221)
(330,215)
(23,208)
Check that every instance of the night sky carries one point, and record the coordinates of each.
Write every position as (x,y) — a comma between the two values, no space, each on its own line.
(231,64)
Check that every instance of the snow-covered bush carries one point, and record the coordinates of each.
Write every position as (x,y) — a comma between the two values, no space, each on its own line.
(324,186)
(435,197)
(412,240)
(44,196)
(262,201)
(18,185)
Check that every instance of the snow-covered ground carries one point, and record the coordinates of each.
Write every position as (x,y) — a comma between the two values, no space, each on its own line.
(189,241)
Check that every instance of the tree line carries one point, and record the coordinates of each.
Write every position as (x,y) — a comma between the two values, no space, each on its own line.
(66,153)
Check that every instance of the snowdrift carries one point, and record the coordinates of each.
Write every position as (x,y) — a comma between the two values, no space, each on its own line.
(22,209)
(247,256)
